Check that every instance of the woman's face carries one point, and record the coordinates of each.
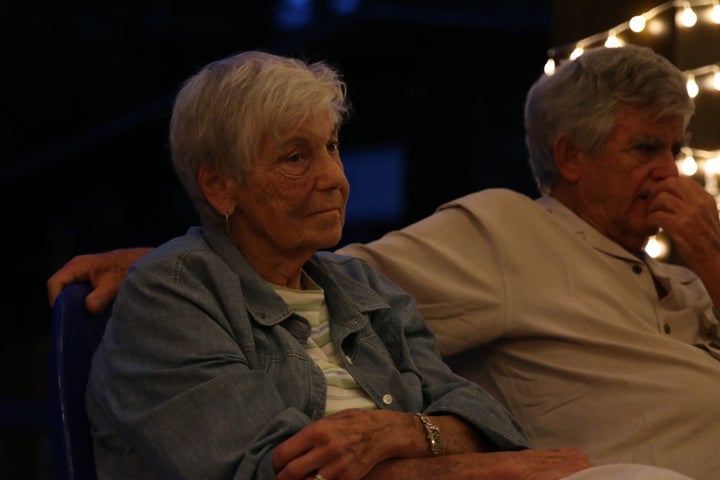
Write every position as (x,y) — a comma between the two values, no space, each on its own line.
(293,199)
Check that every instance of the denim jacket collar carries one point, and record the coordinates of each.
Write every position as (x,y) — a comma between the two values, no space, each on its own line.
(266,306)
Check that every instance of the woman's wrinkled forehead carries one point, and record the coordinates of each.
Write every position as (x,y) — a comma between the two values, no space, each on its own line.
(287,126)
(321,126)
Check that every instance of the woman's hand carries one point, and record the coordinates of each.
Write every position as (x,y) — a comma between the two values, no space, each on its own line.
(348,444)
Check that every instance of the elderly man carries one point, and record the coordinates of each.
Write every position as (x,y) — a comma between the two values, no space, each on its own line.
(552,305)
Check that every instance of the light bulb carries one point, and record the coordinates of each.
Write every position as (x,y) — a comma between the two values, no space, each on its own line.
(656,247)
(637,23)
(692,86)
(716,80)
(715,13)
(612,41)
(688,18)
(712,165)
(549,67)
(688,166)
(576,53)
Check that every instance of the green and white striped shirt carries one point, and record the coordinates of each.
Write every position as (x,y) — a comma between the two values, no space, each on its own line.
(343,391)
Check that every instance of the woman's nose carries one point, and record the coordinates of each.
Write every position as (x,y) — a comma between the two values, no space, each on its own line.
(332,173)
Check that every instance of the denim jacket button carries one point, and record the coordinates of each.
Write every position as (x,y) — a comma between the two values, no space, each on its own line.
(387,399)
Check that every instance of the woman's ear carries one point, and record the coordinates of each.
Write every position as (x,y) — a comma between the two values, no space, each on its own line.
(219,187)
(568,158)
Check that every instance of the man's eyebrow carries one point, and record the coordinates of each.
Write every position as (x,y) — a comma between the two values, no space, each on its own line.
(657,140)
(645,139)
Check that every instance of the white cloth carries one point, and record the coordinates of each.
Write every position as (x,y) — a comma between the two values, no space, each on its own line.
(627,472)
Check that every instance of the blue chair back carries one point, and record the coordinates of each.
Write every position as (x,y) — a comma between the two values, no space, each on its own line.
(75,335)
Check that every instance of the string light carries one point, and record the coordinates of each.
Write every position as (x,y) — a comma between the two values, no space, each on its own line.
(657,247)
(715,13)
(710,75)
(712,165)
(688,17)
(688,166)
(549,66)
(612,40)
(692,87)
(637,23)
(576,53)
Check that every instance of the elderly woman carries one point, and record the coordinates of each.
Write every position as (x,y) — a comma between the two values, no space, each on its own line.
(239,351)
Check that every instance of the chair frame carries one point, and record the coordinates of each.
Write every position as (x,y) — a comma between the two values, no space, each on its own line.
(75,334)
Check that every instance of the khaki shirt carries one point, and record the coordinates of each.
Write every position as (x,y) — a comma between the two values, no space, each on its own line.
(566,328)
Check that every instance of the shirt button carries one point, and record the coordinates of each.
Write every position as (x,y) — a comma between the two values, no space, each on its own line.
(637,268)
(667,328)
(387,399)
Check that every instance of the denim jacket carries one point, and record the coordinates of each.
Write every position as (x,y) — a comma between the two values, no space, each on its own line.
(202,370)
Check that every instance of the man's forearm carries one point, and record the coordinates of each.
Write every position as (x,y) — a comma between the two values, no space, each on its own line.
(541,464)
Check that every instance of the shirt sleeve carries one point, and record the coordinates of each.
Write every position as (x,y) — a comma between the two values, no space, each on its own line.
(450,264)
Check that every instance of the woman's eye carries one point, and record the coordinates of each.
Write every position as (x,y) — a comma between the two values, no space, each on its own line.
(296,164)
(333,146)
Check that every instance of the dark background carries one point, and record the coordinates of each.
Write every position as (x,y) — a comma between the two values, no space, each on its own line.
(86,92)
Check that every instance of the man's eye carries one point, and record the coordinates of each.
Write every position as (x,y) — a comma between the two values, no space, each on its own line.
(295,158)
(651,149)
(647,148)
(333,146)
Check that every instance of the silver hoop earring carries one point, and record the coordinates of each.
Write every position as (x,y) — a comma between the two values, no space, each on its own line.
(227,222)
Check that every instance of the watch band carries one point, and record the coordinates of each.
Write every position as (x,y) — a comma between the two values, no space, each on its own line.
(435,443)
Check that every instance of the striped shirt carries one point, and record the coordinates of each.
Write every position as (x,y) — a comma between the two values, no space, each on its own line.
(343,392)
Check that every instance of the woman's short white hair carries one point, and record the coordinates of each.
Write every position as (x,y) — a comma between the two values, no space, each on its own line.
(223,112)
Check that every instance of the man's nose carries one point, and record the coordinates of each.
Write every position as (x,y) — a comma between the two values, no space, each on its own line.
(666,167)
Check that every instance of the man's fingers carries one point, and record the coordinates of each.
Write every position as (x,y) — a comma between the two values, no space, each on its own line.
(62,279)
(100,298)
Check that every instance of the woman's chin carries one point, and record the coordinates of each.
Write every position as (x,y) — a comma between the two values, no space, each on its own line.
(329,241)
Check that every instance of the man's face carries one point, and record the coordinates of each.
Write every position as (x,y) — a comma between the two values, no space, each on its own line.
(639,154)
